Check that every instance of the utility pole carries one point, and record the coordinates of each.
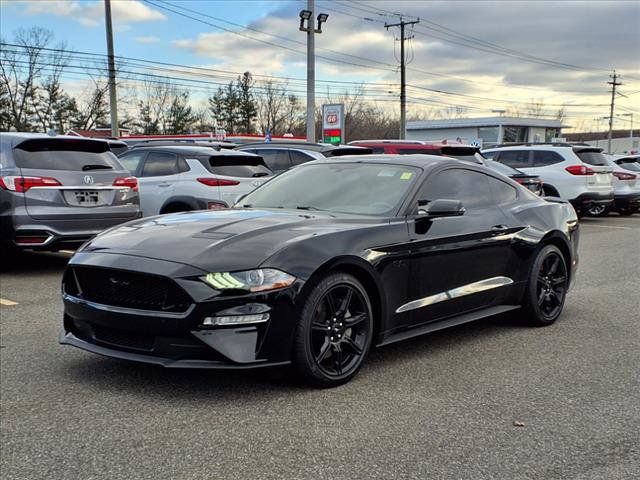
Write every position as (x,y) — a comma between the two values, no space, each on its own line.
(403,74)
(113,100)
(613,84)
(306,16)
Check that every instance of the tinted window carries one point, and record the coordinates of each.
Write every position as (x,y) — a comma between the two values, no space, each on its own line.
(63,154)
(237,166)
(377,149)
(357,188)
(490,155)
(502,192)
(631,166)
(472,188)
(276,159)
(514,158)
(130,161)
(501,168)
(298,157)
(592,158)
(543,158)
(159,164)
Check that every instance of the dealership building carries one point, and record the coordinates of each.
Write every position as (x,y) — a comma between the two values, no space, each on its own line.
(488,130)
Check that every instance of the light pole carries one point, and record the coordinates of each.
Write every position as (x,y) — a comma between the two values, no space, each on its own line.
(630,115)
(306,16)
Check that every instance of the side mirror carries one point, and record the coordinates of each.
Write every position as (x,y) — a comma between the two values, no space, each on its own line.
(440,208)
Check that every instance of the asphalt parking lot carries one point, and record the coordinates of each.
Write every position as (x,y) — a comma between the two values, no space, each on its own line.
(491,400)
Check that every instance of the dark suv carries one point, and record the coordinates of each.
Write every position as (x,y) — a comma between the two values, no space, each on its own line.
(58,191)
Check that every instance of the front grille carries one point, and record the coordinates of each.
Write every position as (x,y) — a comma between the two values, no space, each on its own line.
(124,339)
(120,288)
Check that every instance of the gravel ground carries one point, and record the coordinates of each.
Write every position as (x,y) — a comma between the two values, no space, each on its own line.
(490,400)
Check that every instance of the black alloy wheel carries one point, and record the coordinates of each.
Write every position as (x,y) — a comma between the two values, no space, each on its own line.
(334,335)
(547,289)
(598,211)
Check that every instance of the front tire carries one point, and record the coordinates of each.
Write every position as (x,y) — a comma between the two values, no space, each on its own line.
(547,287)
(335,331)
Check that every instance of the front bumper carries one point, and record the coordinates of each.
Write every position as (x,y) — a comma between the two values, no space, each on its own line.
(178,339)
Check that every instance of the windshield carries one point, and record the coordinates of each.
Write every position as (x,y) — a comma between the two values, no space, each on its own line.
(631,166)
(354,188)
(65,154)
(592,157)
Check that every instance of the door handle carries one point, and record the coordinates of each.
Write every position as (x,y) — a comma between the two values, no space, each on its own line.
(499,228)
(164,184)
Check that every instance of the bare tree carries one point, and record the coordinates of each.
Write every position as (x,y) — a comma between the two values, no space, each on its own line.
(93,108)
(20,69)
(272,107)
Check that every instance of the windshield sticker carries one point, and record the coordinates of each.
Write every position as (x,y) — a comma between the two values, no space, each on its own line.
(406,175)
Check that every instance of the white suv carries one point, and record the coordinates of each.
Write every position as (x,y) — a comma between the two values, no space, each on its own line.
(182,178)
(577,173)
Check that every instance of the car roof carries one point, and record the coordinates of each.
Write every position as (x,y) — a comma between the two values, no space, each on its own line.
(189,150)
(421,161)
(15,138)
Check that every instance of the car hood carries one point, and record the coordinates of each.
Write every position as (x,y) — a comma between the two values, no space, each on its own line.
(224,240)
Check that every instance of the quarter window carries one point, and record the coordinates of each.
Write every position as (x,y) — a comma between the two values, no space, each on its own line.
(298,157)
(544,158)
(502,192)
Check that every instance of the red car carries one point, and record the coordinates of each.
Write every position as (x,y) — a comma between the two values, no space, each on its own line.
(412,147)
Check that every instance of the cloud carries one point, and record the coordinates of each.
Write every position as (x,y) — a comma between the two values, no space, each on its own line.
(92,14)
(147,40)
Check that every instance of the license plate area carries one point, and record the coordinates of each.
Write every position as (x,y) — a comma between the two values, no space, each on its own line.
(85,198)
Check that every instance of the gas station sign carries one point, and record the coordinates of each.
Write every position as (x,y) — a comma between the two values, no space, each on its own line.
(333,123)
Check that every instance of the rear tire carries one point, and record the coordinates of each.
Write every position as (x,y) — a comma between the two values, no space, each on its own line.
(335,331)
(547,287)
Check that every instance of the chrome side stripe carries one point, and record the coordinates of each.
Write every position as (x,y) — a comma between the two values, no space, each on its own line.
(469,289)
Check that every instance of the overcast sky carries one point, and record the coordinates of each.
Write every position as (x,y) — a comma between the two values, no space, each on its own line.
(478,56)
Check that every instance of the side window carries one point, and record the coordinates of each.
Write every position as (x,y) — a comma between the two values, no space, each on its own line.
(160,164)
(131,160)
(543,158)
(490,155)
(277,159)
(502,192)
(472,188)
(377,149)
(514,158)
(183,166)
(298,157)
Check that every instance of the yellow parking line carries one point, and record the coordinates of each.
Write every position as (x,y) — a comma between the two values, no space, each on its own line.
(7,303)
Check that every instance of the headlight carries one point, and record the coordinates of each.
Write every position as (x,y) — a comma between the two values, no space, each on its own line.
(251,280)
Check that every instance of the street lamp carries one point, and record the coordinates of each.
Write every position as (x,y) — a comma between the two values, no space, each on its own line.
(305,17)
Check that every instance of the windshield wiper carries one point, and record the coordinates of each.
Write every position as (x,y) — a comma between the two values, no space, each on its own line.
(260,174)
(96,167)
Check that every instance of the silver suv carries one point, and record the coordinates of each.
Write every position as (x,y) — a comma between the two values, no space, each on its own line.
(579,174)
(57,191)
(183,178)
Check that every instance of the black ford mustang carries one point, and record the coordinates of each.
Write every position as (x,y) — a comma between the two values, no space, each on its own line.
(321,263)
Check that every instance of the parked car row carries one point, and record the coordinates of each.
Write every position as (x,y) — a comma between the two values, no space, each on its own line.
(580,174)
(59,191)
